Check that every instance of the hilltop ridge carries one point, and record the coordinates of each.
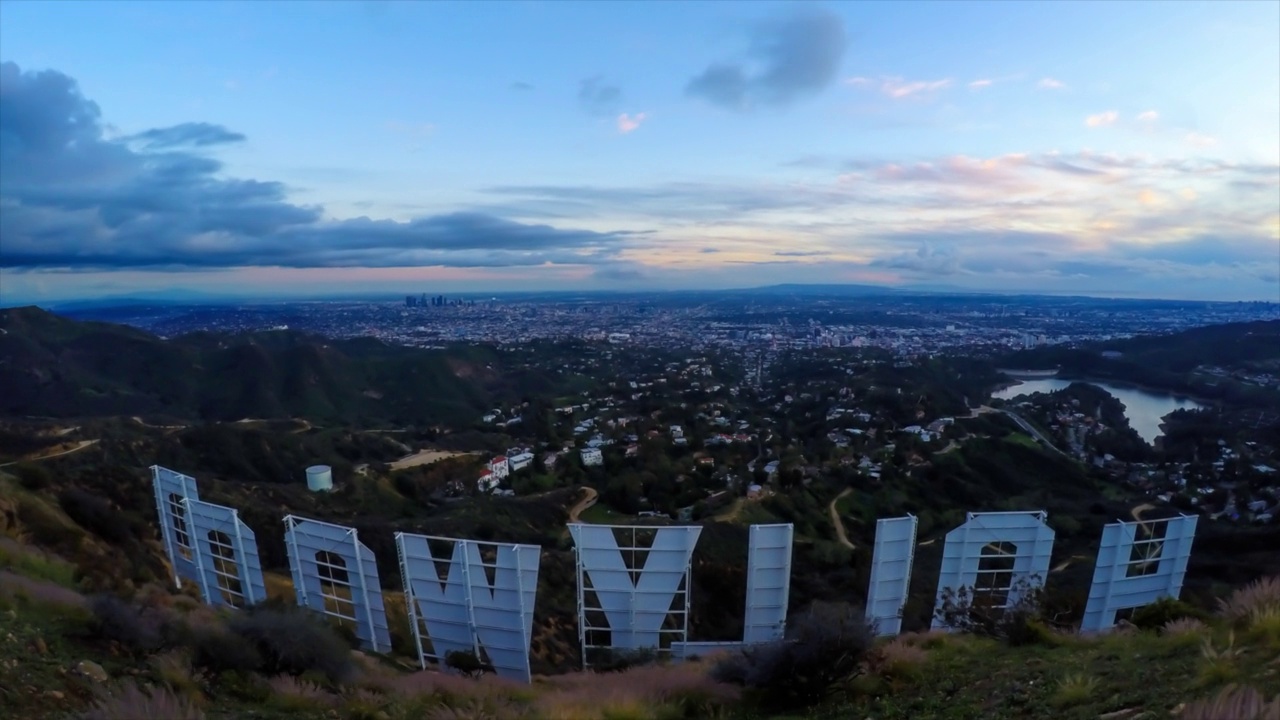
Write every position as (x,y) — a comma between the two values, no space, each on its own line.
(55,367)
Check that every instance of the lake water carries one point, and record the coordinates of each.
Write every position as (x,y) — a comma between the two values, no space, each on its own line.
(1144,408)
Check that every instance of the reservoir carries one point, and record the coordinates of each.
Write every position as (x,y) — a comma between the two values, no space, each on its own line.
(1144,408)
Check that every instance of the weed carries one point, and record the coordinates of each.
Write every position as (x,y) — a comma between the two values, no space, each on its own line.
(1220,665)
(1164,611)
(1074,690)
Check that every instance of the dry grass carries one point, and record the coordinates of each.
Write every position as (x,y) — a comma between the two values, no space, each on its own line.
(129,701)
(641,692)
(1260,598)
(902,657)
(288,692)
(1233,703)
(173,669)
(1183,626)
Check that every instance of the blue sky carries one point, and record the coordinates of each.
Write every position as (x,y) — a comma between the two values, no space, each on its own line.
(286,148)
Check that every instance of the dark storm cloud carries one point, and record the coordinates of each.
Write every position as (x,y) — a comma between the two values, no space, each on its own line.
(70,198)
(598,97)
(789,57)
(194,134)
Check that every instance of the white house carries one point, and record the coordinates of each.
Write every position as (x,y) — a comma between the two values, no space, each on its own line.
(521,461)
(487,481)
(592,456)
(499,467)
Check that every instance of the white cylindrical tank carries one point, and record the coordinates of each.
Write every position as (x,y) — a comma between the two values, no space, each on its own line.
(319,478)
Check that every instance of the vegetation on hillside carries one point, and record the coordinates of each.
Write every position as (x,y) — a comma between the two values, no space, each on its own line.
(55,367)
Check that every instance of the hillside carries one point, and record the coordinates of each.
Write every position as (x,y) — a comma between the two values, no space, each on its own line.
(159,654)
(1178,362)
(54,367)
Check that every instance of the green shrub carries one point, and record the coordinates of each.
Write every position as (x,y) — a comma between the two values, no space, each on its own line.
(95,515)
(32,477)
(467,663)
(824,648)
(1164,611)
(219,651)
(292,641)
(141,630)
(1015,618)
(619,660)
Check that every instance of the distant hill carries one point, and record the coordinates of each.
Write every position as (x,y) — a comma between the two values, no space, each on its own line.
(55,367)
(1169,361)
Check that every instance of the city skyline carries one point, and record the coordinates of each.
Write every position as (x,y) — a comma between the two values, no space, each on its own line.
(1123,150)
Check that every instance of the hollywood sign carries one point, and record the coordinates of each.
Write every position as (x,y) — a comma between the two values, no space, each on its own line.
(633,581)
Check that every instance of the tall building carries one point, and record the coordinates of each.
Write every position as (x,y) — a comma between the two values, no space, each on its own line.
(410,301)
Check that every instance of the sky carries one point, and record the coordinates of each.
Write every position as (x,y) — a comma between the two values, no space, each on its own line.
(298,149)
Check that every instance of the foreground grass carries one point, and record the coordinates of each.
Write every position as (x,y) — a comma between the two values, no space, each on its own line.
(52,667)
(1129,675)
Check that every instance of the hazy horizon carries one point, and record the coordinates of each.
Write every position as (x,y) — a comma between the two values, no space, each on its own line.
(1127,150)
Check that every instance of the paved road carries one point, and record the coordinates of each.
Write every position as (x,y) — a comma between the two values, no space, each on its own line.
(1033,432)
(583,504)
(83,444)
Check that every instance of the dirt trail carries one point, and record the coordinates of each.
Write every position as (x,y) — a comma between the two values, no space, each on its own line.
(79,446)
(425,457)
(835,519)
(587,501)
(1067,563)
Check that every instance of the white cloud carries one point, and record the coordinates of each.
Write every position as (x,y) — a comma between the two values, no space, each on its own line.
(629,123)
(979,84)
(1051,84)
(897,88)
(1102,119)
(1148,116)
(1201,140)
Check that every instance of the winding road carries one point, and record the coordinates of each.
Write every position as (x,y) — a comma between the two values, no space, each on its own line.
(583,504)
(80,446)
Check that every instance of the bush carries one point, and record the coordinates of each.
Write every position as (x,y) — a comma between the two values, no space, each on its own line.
(1164,611)
(1233,703)
(1016,620)
(32,477)
(619,660)
(291,641)
(142,630)
(824,648)
(219,651)
(467,663)
(95,515)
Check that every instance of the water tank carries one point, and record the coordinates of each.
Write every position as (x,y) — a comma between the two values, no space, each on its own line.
(319,478)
